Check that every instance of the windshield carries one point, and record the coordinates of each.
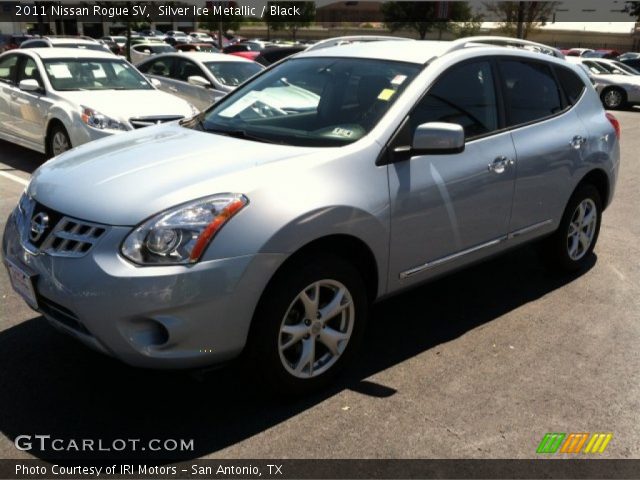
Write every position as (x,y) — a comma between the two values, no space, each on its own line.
(93,74)
(232,74)
(312,101)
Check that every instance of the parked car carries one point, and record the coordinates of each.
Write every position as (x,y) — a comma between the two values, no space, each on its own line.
(578,52)
(10,42)
(268,230)
(629,56)
(197,47)
(246,54)
(120,41)
(52,99)
(65,42)
(141,51)
(152,34)
(200,78)
(201,37)
(616,91)
(173,37)
(602,53)
(274,54)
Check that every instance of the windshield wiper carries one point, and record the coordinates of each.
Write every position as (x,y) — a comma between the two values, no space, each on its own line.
(236,134)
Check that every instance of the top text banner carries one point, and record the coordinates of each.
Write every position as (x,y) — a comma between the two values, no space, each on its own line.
(32,11)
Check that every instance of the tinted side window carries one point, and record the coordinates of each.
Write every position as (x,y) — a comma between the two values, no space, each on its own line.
(531,92)
(571,84)
(160,67)
(36,44)
(186,69)
(8,68)
(464,95)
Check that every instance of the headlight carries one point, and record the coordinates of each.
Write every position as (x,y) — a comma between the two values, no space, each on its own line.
(101,122)
(181,234)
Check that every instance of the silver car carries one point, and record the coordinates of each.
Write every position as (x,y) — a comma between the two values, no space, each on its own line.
(201,78)
(268,228)
(616,90)
(53,99)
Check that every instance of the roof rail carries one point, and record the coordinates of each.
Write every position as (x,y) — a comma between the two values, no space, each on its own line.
(335,41)
(503,42)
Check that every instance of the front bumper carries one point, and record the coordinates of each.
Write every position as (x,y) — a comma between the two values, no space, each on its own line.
(156,317)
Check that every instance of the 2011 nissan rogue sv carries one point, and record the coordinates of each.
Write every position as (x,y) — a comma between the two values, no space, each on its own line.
(269,223)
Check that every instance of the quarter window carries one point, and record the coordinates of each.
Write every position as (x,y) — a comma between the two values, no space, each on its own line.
(531,92)
(571,83)
(464,95)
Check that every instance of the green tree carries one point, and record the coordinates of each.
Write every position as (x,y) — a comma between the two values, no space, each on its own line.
(520,19)
(275,22)
(423,17)
(633,8)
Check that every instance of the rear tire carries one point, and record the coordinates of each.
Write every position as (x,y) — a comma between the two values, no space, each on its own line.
(614,98)
(570,247)
(58,141)
(308,324)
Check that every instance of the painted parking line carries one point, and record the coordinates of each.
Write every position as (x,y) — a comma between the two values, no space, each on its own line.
(15,178)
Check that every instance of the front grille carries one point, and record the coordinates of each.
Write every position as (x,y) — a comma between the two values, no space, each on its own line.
(43,229)
(61,315)
(141,122)
(72,238)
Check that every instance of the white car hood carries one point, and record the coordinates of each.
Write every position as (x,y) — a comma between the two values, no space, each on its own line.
(125,178)
(125,104)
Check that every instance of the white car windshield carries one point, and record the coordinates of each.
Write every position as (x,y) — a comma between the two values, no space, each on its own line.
(93,74)
(232,74)
(311,101)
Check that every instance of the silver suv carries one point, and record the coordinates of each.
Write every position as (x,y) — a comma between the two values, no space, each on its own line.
(268,224)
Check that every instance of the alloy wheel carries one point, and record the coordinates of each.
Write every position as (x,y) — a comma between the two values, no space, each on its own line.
(59,143)
(582,229)
(316,328)
(613,99)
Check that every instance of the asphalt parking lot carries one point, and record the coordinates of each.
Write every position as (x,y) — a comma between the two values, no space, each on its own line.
(480,364)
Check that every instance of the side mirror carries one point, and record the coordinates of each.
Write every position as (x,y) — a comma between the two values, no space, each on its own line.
(438,138)
(199,81)
(29,85)
(155,82)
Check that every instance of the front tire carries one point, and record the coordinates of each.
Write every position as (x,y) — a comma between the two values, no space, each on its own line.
(570,247)
(308,325)
(58,141)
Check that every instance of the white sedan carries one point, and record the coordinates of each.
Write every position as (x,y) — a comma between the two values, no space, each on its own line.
(53,99)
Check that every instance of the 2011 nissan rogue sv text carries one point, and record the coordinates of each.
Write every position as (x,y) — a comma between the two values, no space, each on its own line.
(269,223)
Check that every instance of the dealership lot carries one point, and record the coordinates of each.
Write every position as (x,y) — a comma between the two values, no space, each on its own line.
(481,364)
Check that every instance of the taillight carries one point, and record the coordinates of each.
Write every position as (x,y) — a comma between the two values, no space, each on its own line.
(616,124)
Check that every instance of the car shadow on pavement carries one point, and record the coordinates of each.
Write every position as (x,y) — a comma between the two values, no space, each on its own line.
(16,158)
(51,385)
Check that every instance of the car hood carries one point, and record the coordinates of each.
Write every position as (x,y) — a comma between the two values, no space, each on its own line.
(125,178)
(125,104)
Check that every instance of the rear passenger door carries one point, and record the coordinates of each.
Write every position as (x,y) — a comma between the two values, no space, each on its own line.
(8,91)
(450,209)
(549,138)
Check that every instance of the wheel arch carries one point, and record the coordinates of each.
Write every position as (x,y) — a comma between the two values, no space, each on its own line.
(600,180)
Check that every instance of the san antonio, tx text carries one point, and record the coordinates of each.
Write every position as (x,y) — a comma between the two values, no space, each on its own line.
(131,469)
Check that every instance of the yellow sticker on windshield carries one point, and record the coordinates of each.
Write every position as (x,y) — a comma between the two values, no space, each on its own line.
(386,94)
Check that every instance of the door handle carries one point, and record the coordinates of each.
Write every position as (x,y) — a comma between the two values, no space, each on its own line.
(500,164)
(577,142)
(173,89)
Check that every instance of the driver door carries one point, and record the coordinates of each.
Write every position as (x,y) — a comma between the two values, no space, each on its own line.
(449,209)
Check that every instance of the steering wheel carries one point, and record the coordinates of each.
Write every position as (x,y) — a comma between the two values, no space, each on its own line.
(264,110)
